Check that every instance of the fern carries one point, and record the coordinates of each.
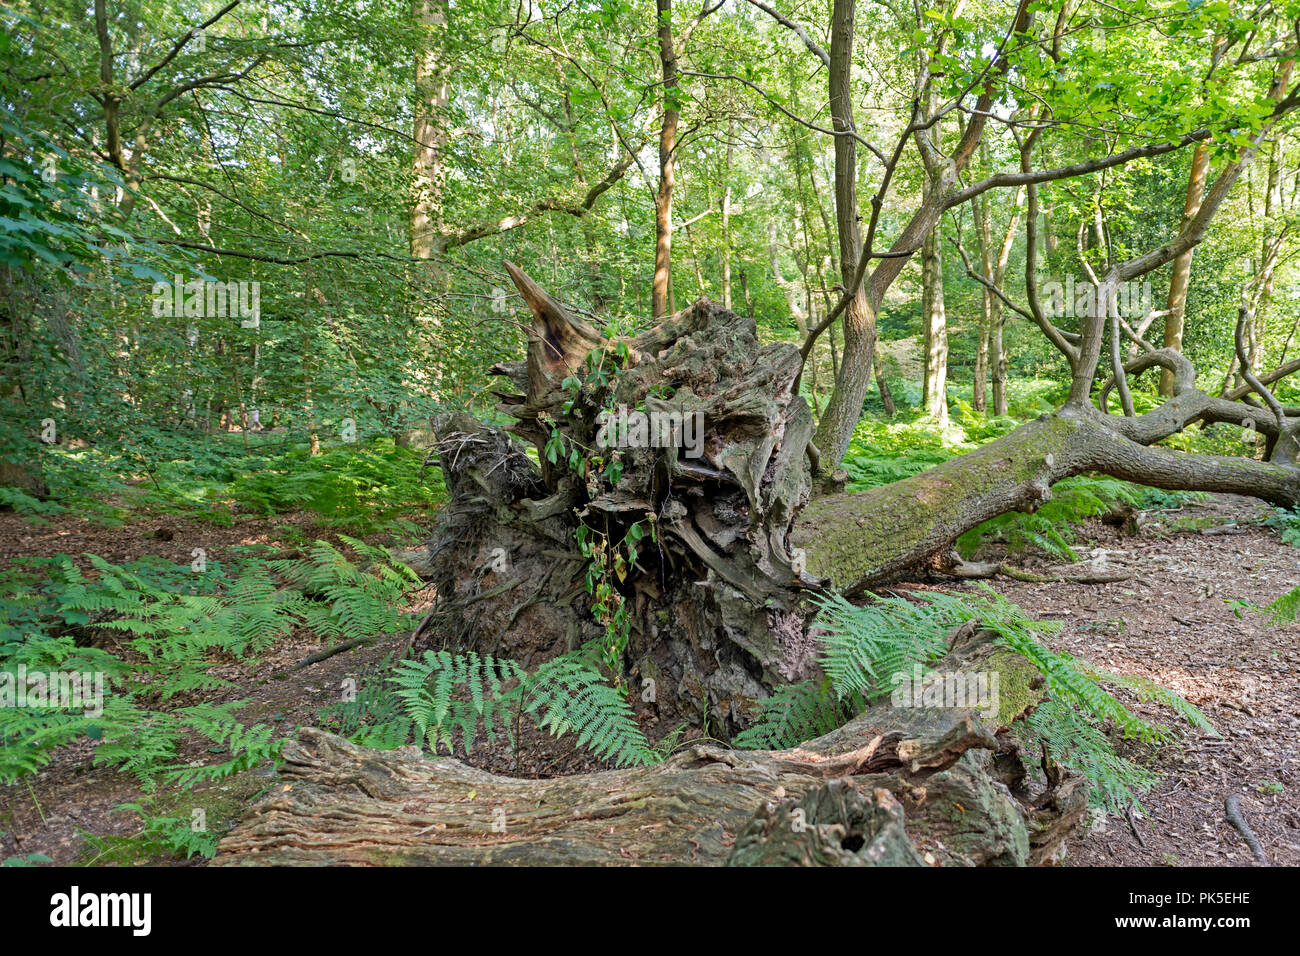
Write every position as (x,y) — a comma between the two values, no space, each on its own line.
(248,746)
(428,687)
(28,738)
(350,600)
(864,647)
(1286,608)
(1049,529)
(175,835)
(24,504)
(1147,690)
(160,836)
(359,487)
(159,641)
(1072,739)
(796,713)
(373,717)
(1065,679)
(563,696)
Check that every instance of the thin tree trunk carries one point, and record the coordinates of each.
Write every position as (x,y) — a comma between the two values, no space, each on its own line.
(934,389)
(1182,267)
(726,217)
(979,398)
(886,396)
(432,96)
(660,304)
(997,324)
(835,428)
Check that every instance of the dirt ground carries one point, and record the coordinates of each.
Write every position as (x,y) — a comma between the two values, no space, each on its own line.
(1179,620)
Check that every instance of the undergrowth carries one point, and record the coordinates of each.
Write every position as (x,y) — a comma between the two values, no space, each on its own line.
(125,656)
(358,488)
(444,699)
(863,649)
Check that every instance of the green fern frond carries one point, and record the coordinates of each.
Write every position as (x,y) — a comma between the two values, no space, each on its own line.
(1286,608)
(797,713)
(1072,739)
(563,696)
(1146,690)
(864,647)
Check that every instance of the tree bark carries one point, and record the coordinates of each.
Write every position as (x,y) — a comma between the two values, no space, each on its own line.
(432,96)
(935,337)
(726,217)
(835,428)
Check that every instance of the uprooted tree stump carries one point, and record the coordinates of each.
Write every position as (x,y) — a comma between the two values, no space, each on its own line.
(717,603)
(715,597)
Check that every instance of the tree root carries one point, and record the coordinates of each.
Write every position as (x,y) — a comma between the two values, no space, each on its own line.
(974,570)
(1232,812)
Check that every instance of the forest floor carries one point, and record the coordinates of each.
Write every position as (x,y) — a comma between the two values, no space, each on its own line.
(1187,619)
(1182,620)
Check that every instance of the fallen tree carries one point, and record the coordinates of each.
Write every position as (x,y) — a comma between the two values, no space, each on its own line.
(692,572)
(716,607)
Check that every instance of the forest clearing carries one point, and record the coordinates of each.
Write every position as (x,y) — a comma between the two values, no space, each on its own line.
(743,433)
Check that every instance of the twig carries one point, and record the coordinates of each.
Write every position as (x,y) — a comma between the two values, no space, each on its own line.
(415,634)
(1133,826)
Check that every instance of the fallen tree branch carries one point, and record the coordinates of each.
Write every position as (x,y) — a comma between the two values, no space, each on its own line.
(974,570)
(893,786)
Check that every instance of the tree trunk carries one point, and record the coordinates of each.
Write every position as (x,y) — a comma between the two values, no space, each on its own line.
(979,400)
(431,99)
(726,217)
(1181,275)
(998,361)
(886,396)
(661,288)
(835,428)
(935,383)
(997,324)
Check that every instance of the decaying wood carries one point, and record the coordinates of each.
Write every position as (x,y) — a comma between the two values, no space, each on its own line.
(718,600)
(894,786)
